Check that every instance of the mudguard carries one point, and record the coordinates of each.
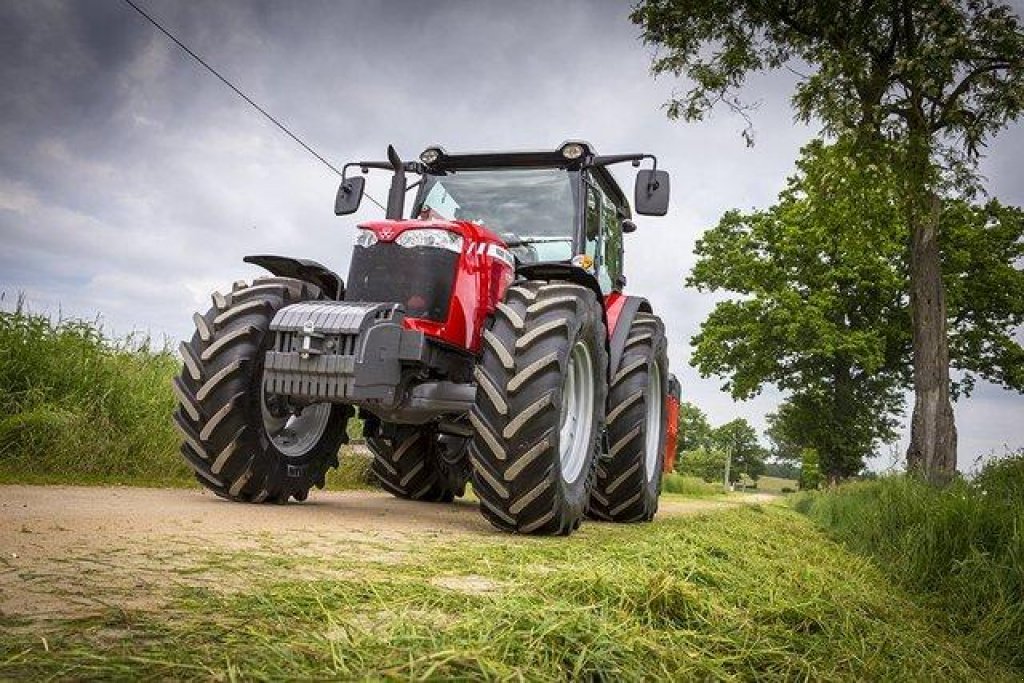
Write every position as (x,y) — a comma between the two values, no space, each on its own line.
(302,269)
(561,271)
(623,321)
(576,275)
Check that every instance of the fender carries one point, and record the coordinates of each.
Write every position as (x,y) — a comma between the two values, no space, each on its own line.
(672,423)
(302,269)
(576,275)
(622,322)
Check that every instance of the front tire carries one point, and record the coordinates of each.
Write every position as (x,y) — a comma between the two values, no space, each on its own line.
(629,476)
(539,408)
(239,445)
(415,463)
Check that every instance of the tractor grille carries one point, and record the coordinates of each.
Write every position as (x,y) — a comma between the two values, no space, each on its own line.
(418,278)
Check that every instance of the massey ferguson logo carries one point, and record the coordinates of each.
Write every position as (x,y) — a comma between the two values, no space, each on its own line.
(387,233)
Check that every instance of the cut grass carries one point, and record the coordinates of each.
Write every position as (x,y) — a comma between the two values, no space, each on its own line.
(746,593)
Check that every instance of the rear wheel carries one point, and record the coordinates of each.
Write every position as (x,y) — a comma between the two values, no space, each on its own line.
(629,476)
(415,463)
(539,408)
(243,444)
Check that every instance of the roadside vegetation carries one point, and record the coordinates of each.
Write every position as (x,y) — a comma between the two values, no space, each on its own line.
(79,407)
(960,548)
(744,593)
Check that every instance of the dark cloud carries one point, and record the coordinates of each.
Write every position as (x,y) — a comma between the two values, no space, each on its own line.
(132,181)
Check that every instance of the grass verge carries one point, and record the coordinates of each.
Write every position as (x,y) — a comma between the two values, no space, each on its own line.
(746,593)
(960,548)
(78,407)
(694,487)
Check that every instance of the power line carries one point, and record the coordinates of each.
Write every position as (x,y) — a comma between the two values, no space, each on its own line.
(238,92)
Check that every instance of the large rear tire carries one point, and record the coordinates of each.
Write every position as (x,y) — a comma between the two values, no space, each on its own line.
(629,475)
(415,463)
(541,385)
(242,447)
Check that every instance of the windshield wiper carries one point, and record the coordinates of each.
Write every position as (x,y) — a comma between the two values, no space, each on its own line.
(535,240)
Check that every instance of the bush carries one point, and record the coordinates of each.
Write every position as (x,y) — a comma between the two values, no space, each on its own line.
(687,486)
(961,547)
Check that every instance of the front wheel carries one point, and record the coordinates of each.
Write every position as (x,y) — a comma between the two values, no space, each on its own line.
(242,444)
(539,408)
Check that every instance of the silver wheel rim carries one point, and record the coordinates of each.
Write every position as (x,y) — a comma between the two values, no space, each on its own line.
(653,436)
(577,413)
(296,435)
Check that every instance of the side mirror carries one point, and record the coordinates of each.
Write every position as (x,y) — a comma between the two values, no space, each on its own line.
(349,195)
(628,226)
(651,195)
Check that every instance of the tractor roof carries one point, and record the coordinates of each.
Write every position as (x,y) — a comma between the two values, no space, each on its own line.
(548,158)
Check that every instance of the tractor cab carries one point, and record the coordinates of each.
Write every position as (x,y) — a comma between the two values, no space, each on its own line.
(552,206)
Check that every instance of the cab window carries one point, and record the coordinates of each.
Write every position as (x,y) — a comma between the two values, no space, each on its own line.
(611,224)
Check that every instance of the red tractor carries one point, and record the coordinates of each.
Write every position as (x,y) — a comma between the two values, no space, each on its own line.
(486,338)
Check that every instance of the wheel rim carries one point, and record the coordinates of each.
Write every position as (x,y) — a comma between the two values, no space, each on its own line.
(653,436)
(296,435)
(577,413)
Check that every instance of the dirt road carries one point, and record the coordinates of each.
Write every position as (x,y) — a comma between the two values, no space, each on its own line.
(69,550)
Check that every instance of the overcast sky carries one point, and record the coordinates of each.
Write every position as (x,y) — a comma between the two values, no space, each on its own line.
(132,182)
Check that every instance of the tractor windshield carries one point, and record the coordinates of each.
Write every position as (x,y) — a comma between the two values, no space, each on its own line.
(531,209)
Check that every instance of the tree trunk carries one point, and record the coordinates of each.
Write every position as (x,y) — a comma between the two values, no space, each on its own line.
(932,451)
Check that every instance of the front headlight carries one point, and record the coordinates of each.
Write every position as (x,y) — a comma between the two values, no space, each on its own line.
(439,239)
(365,238)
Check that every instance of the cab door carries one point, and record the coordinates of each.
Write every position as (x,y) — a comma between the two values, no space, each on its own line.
(603,237)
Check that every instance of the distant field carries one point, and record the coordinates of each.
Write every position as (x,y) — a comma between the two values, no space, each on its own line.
(775,484)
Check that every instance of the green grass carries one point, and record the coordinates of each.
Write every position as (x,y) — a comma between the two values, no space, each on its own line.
(689,486)
(960,548)
(746,593)
(78,407)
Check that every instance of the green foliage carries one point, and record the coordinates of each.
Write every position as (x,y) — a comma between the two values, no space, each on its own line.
(704,463)
(810,472)
(962,547)
(824,309)
(739,438)
(749,593)
(891,67)
(983,247)
(694,428)
(77,406)
(785,469)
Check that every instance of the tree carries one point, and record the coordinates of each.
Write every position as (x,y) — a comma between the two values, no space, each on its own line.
(935,78)
(823,304)
(706,463)
(694,428)
(739,439)
(810,477)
